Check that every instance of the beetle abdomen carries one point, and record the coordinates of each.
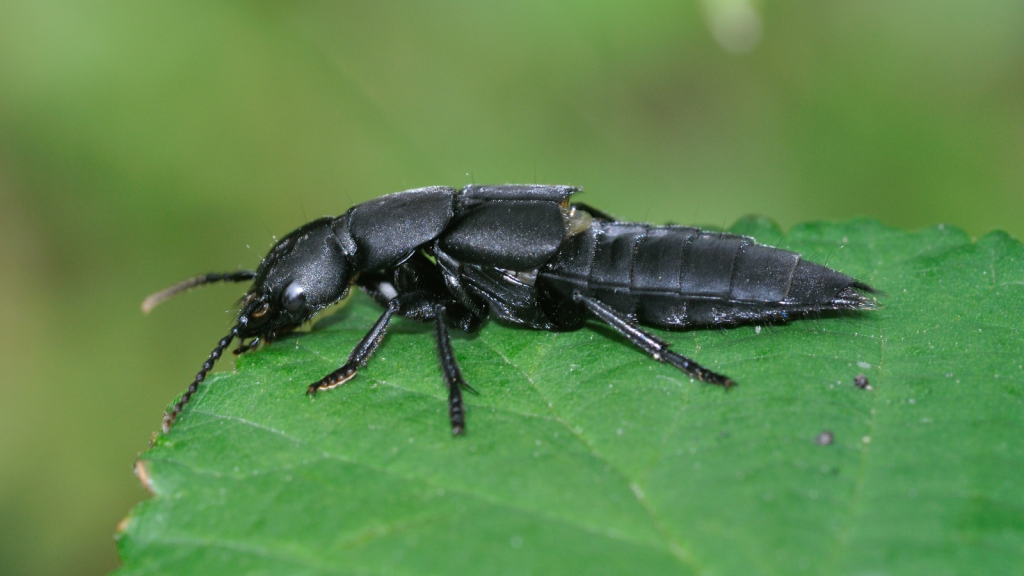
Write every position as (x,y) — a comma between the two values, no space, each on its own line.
(679,277)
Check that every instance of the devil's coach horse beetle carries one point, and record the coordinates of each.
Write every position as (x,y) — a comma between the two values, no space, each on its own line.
(524,254)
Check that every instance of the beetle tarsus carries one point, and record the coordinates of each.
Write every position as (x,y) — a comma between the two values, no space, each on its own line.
(334,379)
(696,370)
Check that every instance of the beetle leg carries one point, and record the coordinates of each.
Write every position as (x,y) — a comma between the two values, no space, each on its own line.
(451,272)
(452,374)
(360,354)
(654,346)
(245,347)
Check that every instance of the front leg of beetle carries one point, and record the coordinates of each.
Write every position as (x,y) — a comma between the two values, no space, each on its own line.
(417,305)
(360,354)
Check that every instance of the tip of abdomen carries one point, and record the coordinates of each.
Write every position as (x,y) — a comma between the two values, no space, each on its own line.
(850,298)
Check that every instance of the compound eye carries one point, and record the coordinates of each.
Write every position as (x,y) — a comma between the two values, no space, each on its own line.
(294,297)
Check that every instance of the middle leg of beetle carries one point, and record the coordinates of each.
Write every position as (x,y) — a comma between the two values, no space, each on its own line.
(654,346)
(452,374)
(360,354)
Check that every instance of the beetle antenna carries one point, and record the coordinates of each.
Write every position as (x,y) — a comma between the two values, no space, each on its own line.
(207,366)
(153,300)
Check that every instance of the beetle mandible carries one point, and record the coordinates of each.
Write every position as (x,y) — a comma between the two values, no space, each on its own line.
(523,254)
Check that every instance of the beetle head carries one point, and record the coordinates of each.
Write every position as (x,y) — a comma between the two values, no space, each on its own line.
(305,272)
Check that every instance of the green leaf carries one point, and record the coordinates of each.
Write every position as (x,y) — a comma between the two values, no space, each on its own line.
(583,456)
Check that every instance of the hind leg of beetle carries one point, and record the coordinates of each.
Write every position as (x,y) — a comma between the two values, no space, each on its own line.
(360,354)
(654,346)
(452,374)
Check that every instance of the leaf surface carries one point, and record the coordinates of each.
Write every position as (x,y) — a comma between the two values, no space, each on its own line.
(584,456)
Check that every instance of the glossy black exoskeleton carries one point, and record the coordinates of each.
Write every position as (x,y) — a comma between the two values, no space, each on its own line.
(523,254)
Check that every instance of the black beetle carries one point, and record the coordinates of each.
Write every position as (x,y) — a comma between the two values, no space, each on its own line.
(524,254)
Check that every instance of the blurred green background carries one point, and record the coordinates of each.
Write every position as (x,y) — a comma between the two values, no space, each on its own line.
(143,142)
